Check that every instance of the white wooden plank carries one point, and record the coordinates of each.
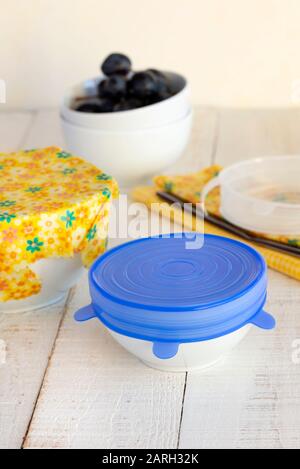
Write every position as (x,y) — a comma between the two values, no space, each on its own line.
(253,399)
(96,395)
(28,337)
(45,130)
(201,146)
(13,129)
(251,133)
(28,340)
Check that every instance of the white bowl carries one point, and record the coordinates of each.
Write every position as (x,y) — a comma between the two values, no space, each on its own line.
(154,115)
(192,356)
(57,276)
(130,156)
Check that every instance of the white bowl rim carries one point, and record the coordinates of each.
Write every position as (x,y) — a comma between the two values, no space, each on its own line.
(128,132)
(139,110)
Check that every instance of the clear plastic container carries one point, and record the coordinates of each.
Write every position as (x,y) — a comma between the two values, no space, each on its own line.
(261,195)
(57,276)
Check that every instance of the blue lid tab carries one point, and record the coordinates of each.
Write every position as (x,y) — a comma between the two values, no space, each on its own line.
(263,320)
(85,313)
(165,350)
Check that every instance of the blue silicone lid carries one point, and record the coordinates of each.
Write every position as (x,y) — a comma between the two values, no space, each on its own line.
(162,290)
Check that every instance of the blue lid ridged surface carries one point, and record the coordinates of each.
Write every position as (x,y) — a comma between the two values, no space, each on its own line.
(156,289)
(160,272)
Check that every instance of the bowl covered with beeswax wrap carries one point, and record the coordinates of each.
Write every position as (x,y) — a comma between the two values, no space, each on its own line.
(54,213)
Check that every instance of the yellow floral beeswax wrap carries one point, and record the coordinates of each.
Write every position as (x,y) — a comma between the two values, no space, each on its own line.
(52,204)
(189,188)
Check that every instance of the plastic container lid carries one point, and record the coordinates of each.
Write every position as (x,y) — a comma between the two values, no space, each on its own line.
(158,290)
(262,194)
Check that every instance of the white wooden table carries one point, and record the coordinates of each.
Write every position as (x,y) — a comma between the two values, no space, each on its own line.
(66,385)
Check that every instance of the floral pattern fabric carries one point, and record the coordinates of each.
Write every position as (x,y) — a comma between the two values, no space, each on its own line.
(52,204)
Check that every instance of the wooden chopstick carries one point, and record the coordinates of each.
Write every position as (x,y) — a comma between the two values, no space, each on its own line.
(226,225)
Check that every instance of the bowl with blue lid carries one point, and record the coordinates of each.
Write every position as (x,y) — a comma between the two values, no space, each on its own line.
(175,307)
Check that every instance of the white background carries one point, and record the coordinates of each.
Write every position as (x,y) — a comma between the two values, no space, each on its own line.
(235,52)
